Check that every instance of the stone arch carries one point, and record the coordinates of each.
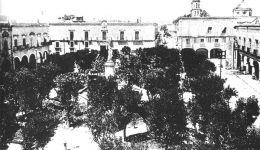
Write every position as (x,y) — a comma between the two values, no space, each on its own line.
(256,66)
(214,53)
(32,61)
(45,55)
(41,57)
(17,62)
(6,65)
(25,61)
(202,51)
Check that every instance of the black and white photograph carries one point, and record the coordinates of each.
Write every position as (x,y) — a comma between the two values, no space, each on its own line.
(129,75)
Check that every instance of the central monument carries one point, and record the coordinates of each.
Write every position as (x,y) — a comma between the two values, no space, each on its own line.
(109,65)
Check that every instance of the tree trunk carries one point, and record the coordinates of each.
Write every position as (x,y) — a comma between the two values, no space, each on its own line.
(166,147)
(124,132)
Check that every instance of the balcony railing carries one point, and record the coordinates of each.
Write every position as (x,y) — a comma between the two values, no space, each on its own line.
(72,49)
(243,48)
(248,50)
(138,42)
(188,45)
(202,44)
(122,42)
(255,52)
(57,49)
(216,44)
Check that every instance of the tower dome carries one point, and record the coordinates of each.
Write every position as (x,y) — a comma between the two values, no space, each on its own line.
(242,9)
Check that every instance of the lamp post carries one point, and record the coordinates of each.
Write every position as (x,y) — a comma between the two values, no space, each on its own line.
(221,55)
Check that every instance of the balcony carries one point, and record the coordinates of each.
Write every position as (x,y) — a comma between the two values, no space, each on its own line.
(72,49)
(138,42)
(243,48)
(202,45)
(216,44)
(255,52)
(123,42)
(188,45)
(57,49)
(248,50)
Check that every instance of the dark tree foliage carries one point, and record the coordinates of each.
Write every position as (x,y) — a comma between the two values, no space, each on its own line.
(196,64)
(27,91)
(157,70)
(85,59)
(67,100)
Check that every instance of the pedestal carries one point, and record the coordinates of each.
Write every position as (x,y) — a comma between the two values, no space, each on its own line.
(109,68)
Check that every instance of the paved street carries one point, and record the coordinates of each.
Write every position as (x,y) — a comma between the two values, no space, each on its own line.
(245,85)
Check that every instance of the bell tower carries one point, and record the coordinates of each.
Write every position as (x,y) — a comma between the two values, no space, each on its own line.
(195,8)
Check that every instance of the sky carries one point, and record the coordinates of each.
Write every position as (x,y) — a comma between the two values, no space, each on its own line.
(160,11)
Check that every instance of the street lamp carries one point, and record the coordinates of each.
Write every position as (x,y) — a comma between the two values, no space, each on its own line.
(221,55)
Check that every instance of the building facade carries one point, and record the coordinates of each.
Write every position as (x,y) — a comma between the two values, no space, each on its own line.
(246,49)
(211,36)
(72,36)
(23,44)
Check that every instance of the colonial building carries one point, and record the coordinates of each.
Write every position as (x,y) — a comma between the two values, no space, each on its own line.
(211,36)
(246,49)
(22,44)
(30,44)
(79,35)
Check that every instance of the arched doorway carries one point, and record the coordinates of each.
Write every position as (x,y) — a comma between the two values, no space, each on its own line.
(249,66)
(25,62)
(203,52)
(6,65)
(214,53)
(45,56)
(239,61)
(32,61)
(17,64)
(256,66)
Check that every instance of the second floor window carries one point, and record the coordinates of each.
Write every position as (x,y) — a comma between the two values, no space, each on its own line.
(71,35)
(57,44)
(104,35)
(187,41)
(209,29)
(86,35)
(136,35)
(256,42)
(15,43)
(71,44)
(24,42)
(122,35)
(216,40)
(86,44)
(201,40)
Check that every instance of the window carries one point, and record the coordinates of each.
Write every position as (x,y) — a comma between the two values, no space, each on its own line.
(15,43)
(121,35)
(187,41)
(57,44)
(250,43)
(24,42)
(201,40)
(71,35)
(104,35)
(136,35)
(216,40)
(244,41)
(86,35)
(86,44)
(71,44)
(209,30)
(224,30)
(256,43)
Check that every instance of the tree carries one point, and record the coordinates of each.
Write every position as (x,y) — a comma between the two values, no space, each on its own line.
(157,71)
(67,100)
(27,91)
